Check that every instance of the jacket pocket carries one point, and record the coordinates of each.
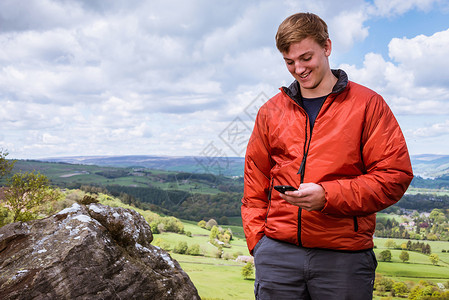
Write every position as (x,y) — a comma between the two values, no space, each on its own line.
(269,198)
(356,224)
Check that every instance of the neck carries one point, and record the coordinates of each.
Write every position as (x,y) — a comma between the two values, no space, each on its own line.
(324,88)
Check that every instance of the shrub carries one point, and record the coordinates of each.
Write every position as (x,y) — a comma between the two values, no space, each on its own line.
(161,243)
(194,250)
(248,270)
(400,289)
(181,248)
(154,228)
(202,224)
(210,224)
(228,256)
(5,216)
(26,192)
(434,259)
(383,284)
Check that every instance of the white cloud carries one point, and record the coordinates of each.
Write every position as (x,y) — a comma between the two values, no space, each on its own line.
(398,7)
(437,129)
(348,28)
(425,56)
(168,76)
(416,80)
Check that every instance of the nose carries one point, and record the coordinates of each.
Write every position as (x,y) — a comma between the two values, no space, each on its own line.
(299,68)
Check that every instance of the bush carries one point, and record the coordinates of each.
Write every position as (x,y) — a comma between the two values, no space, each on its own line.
(434,259)
(161,243)
(383,284)
(194,250)
(154,227)
(26,192)
(400,289)
(202,224)
(248,270)
(228,256)
(5,216)
(210,224)
(181,248)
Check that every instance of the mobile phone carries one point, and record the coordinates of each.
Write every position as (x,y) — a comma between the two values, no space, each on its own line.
(283,188)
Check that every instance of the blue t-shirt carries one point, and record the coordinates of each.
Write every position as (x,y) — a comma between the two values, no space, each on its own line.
(312,107)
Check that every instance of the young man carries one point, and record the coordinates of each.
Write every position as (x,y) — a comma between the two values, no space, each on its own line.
(340,146)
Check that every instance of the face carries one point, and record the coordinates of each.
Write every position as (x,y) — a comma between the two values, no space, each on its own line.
(308,62)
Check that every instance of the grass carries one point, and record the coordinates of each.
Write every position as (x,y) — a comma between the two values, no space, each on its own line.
(217,278)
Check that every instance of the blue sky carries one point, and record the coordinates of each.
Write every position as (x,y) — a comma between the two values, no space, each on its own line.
(172,77)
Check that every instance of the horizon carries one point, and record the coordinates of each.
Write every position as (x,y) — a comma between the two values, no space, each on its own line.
(186,79)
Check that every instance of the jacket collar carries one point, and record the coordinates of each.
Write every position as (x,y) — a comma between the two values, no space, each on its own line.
(294,91)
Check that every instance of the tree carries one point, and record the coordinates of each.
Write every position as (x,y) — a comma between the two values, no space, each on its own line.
(385,255)
(390,243)
(214,232)
(248,270)
(400,288)
(404,256)
(211,223)
(202,224)
(434,259)
(181,248)
(5,165)
(25,192)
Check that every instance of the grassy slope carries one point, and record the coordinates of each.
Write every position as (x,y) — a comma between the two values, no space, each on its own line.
(222,279)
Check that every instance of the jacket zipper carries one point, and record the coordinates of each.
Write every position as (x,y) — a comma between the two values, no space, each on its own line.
(301,172)
(302,167)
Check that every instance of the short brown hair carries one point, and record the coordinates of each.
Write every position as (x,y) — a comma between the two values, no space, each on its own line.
(299,26)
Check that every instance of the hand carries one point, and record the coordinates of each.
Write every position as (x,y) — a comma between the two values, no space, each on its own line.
(309,196)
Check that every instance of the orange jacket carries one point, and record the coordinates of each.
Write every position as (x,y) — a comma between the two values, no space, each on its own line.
(356,152)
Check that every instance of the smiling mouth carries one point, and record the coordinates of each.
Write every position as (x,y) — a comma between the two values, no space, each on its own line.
(304,75)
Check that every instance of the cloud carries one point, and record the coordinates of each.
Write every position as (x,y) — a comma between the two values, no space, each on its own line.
(425,56)
(437,129)
(399,7)
(168,76)
(415,81)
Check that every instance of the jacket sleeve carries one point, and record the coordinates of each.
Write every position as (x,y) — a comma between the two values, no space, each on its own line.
(256,183)
(388,170)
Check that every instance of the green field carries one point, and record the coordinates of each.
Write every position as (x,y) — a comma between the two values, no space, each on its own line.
(222,279)
(69,174)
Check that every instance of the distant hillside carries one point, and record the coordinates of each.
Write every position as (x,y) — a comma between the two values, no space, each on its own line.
(424,165)
(227,166)
(430,165)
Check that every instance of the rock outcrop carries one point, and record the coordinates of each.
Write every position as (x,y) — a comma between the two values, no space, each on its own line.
(88,252)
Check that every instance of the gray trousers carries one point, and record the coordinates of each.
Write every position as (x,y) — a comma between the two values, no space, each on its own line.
(287,271)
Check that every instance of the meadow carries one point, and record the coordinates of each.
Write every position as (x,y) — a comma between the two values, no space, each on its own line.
(221,279)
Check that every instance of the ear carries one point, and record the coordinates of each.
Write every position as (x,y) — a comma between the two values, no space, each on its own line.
(328,48)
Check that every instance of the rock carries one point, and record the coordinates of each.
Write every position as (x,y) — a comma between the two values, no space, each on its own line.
(88,252)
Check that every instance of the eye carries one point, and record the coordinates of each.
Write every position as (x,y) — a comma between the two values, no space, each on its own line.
(307,58)
(289,62)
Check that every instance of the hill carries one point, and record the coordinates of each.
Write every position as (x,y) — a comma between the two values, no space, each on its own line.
(227,166)
(424,165)
(430,165)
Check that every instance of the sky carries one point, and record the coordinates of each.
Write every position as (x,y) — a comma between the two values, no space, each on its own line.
(185,78)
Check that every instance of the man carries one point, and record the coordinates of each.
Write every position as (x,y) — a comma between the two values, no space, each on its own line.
(340,146)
